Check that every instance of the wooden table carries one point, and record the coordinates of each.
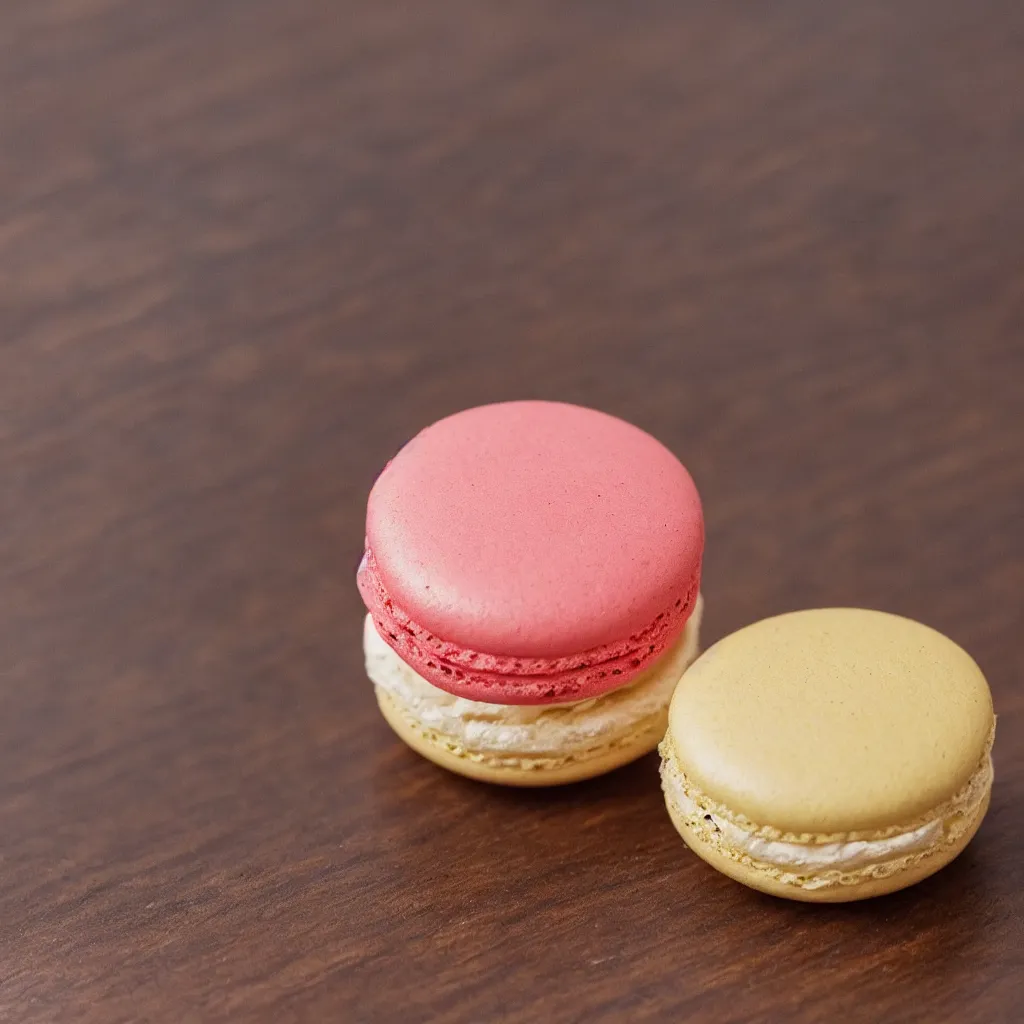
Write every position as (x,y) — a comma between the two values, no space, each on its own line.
(247,249)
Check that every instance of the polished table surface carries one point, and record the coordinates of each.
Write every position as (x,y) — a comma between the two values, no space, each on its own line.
(247,249)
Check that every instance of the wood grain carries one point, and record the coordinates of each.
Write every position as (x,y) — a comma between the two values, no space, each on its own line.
(246,249)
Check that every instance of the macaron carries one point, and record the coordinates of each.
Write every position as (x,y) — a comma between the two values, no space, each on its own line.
(532,581)
(830,755)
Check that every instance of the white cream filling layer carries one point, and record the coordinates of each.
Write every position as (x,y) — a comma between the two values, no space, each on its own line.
(532,729)
(811,858)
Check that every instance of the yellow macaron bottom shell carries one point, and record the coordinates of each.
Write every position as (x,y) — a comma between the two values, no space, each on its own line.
(524,745)
(825,867)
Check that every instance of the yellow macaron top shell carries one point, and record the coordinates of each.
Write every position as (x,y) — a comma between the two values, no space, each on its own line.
(833,720)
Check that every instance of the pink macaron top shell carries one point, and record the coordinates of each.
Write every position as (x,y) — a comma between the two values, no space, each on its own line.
(532,552)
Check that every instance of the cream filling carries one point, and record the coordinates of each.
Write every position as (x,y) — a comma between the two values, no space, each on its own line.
(811,858)
(532,729)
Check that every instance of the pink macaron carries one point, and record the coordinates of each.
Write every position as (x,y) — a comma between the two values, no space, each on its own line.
(528,553)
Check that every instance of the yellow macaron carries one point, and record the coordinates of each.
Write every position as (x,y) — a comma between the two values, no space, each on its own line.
(830,755)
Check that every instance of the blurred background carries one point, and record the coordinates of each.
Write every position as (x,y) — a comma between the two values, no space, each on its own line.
(248,249)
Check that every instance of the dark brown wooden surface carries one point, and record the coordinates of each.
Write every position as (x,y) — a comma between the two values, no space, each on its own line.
(246,249)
